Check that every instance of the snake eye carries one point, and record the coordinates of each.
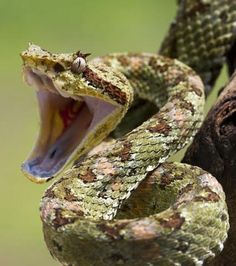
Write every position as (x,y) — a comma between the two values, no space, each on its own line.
(78,66)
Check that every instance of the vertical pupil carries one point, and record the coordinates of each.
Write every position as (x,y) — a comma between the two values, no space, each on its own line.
(78,63)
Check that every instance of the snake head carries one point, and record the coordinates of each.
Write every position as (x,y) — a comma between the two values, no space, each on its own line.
(80,103)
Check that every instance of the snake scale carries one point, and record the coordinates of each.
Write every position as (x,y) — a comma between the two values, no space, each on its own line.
(121,203)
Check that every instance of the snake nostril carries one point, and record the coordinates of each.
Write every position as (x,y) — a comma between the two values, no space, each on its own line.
(58,68)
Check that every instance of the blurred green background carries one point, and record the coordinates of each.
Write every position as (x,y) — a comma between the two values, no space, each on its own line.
(96,26)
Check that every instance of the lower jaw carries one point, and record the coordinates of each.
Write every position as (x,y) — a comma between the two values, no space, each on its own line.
(65,124)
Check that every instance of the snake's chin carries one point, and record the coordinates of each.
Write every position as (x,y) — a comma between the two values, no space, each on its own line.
(65,124)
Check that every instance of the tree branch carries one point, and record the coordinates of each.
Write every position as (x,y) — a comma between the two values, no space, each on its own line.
(214,150)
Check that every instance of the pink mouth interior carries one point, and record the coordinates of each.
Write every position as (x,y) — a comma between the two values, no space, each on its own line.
(65,123)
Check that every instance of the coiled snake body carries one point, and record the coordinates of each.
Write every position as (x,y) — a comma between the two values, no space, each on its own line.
(121,203)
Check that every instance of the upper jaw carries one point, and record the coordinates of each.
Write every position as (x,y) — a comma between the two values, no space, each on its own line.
(38,58)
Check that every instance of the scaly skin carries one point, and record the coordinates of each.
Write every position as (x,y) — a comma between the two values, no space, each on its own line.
(122,205)
(201,36)
(177,216)
(128,161)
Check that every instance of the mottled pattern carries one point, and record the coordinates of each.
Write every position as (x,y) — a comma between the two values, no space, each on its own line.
(131,158)
(111,208)
(202,35)
(177,216)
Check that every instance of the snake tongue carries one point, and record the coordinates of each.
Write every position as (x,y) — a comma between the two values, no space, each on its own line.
(65,125)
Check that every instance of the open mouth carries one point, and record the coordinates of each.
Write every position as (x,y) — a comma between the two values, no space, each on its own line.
(65,124)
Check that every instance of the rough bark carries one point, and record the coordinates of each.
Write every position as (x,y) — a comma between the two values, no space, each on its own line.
(214,150)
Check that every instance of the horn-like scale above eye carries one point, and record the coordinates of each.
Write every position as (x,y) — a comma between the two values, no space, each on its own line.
(79,65)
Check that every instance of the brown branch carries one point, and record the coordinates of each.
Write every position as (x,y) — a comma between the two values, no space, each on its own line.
(214,150)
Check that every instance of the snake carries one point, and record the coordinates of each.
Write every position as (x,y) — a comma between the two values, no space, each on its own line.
(119,118)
